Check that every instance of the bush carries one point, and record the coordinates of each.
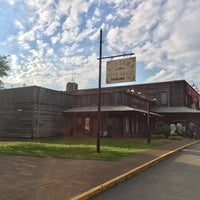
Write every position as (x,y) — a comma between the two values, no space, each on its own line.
(153,136)
(175,137)
(162,131)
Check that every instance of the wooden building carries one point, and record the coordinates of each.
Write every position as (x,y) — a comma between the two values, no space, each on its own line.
(177,101)
(32,112)
(122,114)
(35,112)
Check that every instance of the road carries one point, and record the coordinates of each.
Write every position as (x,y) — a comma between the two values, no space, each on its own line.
(174,178)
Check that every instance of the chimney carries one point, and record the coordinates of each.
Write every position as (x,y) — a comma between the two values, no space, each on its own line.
(71,86)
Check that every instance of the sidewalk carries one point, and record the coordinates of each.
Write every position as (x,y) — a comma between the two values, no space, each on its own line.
(23,178)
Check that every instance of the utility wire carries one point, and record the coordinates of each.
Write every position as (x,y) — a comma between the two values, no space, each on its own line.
(118,50)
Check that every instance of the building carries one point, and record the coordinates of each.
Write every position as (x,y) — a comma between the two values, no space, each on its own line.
(122,114)
(32,112)
(35,112)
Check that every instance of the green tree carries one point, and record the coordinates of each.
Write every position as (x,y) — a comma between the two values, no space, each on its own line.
(4,68)
(1,85)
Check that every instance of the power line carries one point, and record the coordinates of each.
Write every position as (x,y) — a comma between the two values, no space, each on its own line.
(116,49)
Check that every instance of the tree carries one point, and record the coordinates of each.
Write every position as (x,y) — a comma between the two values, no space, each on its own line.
(4,68)
(1,85)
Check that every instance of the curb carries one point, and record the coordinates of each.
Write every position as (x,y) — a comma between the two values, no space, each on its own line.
(118,179)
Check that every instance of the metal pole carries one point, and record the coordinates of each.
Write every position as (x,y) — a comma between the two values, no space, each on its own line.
(148,123)
(99,95)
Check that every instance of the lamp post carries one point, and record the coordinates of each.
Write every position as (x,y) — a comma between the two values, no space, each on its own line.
(148,119)
(148,123)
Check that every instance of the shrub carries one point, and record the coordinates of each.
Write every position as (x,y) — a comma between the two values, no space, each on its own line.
(153,136)
(162,131)
(175,137)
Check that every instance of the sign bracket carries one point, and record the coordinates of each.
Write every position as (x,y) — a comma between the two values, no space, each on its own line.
(107,57)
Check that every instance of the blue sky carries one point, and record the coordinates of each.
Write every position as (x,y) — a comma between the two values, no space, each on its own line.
(49,40)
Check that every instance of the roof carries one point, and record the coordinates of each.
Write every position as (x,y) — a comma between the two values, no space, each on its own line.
(118,108)
(122,88)
(164,110)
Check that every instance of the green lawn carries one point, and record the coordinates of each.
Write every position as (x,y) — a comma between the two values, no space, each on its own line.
(77,148)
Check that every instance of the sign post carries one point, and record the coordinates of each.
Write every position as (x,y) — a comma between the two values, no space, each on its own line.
(99,95)
(128,78)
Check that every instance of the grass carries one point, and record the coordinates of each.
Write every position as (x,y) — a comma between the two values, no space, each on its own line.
(77,148)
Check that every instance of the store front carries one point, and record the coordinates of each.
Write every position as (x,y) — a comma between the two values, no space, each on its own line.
(116,121)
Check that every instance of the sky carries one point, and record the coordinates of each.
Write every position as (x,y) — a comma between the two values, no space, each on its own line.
(52,42)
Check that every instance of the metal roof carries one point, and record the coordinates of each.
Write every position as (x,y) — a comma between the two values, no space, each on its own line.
(118,108)
(164,110)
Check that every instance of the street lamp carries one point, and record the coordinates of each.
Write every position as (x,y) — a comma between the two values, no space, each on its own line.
(148,123)
(148,119)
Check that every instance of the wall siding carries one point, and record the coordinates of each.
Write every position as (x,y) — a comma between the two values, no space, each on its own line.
(32,112)
(16,120)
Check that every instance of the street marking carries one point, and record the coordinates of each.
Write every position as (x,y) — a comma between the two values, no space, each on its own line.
(191,150)
(88,194)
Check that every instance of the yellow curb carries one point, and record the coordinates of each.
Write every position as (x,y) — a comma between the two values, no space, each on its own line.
(118,179)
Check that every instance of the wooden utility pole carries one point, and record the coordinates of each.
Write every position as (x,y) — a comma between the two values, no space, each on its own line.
(99,95)
(99,128)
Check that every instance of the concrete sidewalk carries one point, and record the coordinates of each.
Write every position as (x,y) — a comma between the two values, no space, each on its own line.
(23,178)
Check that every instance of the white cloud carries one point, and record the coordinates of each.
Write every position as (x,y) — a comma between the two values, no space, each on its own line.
(26,36)
(73,61)
(56,38)
(97,12)
(14,62)
(94,35)
(19,25)
(166,74)
(52,28)
(183,38)
(68,36)
(50,52)
(12,2)
(164,37)
(109,17)
(51,39)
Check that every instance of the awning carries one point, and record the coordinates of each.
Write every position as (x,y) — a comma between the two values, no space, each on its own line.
(164,110)
(118,108)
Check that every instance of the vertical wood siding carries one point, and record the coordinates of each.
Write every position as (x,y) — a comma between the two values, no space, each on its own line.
(32,112)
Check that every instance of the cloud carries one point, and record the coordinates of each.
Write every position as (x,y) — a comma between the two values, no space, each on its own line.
(12,2)
(50,39)
(52,28)
(164,36)
(19,25)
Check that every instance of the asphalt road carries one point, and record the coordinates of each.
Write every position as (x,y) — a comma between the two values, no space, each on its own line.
(175,178)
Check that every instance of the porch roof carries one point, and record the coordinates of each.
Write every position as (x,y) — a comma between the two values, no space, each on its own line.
(118,108)
(164,110)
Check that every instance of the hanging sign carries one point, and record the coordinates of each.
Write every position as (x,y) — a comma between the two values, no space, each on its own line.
(121,70)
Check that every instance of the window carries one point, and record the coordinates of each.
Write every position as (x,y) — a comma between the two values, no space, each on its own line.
(87,123)
(79,121)
(137,125)
(133,125)
(163,98)
(127,125)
